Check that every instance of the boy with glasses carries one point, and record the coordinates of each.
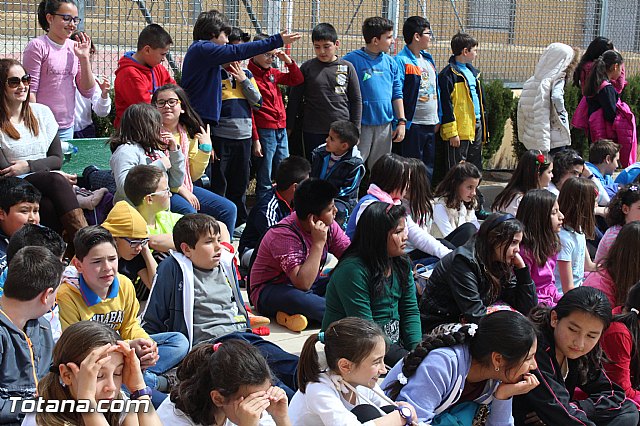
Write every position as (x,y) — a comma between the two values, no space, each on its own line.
(419,79)
(271,144)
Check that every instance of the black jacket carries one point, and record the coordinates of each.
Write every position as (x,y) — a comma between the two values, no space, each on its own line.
(553,400)
(345,174)
(458,290)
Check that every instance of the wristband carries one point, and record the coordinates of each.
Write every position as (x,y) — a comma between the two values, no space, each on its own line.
(402,121)
(205,147)
(405,413)
(141,392)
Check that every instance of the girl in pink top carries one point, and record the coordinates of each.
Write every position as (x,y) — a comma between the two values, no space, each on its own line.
(57,64)
(621,269)
(623,208)
(542,219)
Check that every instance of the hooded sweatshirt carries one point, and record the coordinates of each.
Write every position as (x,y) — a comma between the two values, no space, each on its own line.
(135,83)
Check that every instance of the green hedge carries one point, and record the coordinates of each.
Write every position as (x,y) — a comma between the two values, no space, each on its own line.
(499,102)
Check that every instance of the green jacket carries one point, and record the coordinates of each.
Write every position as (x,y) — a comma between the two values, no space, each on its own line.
(349,295)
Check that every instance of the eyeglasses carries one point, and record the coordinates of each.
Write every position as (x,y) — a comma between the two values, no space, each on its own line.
(270,55)
(14,82)
(68,18)
(163,192)
(136,243)
(164,102)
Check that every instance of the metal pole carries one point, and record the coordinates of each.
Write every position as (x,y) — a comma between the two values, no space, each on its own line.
(81,14)
(252,16)
(604,18)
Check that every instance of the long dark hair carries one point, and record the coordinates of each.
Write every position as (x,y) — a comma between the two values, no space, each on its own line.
(508,333)
(630,317)
(369,245)
(74,345)
(390,173)
(524,178)
(419,192)
(223,367)
(49,7)
(535,214)
(626,196)
(189,118)
(497,231)
(622,260)
(597,47)
(448,188)
(26,114)
(140,124)
(601,65)
(350,338)
(588,300)
(576,200)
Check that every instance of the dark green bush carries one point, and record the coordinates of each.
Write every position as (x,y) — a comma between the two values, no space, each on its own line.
(104,125)
(499,102)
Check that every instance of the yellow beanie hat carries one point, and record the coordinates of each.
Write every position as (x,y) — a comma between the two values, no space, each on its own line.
(125,222)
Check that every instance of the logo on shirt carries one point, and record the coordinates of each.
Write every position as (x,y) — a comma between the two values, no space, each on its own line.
(113,319)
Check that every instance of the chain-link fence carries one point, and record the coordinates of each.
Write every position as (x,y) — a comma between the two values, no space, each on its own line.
(512,34)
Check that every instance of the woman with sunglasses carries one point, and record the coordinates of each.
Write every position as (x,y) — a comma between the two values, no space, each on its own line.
(487,269)
(30,148)
(59,65)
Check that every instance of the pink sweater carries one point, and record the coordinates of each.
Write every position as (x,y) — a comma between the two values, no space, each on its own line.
(55,72)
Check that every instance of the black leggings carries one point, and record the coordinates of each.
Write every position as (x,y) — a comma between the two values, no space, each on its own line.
(366,412)
(58,197)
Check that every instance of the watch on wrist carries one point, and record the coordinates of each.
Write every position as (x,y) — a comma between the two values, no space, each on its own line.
(141,392)
(405,413)
(402,121)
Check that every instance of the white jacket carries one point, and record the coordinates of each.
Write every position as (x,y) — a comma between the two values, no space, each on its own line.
(543,122)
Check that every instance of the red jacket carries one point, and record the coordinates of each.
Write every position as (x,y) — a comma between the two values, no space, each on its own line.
(617,344)
(135,83)
(272,114)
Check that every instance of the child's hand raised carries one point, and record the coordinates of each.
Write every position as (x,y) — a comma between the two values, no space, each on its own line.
(86,376)
(104,84)
(288,38)
(249,409)
(282,55)
(236,71)
(169,140)
(319,230)
(132,373)
(82,47)
(204,139)
(279,403)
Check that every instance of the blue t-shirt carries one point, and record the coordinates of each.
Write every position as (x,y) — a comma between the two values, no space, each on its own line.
(574,246)
(471,79)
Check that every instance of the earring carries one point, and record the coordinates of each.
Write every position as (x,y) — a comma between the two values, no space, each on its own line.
(497,368)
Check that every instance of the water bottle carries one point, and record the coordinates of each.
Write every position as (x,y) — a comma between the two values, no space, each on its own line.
(68,149)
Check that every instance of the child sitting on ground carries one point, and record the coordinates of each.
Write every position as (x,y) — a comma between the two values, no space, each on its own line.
(196,293)
(99,293)
(603,161)
(27,344)
(285,277)
(338,161)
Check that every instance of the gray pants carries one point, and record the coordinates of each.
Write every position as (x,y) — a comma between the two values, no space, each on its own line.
(375,141)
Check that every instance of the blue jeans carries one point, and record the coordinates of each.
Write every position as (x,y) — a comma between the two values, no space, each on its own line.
(420,142)
(275,148)
(283,364)
(172,348)
(286,298)
(65,134)
(210,203)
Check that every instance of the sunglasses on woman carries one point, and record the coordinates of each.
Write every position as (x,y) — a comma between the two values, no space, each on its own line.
(14,82)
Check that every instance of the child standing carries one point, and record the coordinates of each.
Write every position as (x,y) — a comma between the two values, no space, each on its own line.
(225,384)
(92,363)
(58,65)
(381,90)
(464,124)
(140,73)
(542,220)
(330,91)
(455,203)
(568,356)
(270,121)
(338,161)
(27,344)
(419,78)
(347,393)
(623,208)
(534,171)
(577,199)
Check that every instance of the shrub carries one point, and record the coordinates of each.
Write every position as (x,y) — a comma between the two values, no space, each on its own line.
(499,102)
(104,125)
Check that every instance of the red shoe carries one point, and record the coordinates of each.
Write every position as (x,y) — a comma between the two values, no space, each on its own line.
(261,331)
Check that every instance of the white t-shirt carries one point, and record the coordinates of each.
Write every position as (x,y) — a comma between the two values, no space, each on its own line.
(574,245)
(426,112)
(30,147)
(323,405)
(170,415)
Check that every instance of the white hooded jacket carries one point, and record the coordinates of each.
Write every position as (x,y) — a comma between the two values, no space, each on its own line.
(543,121)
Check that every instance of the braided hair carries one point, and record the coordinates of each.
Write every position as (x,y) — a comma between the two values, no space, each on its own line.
(508,333)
